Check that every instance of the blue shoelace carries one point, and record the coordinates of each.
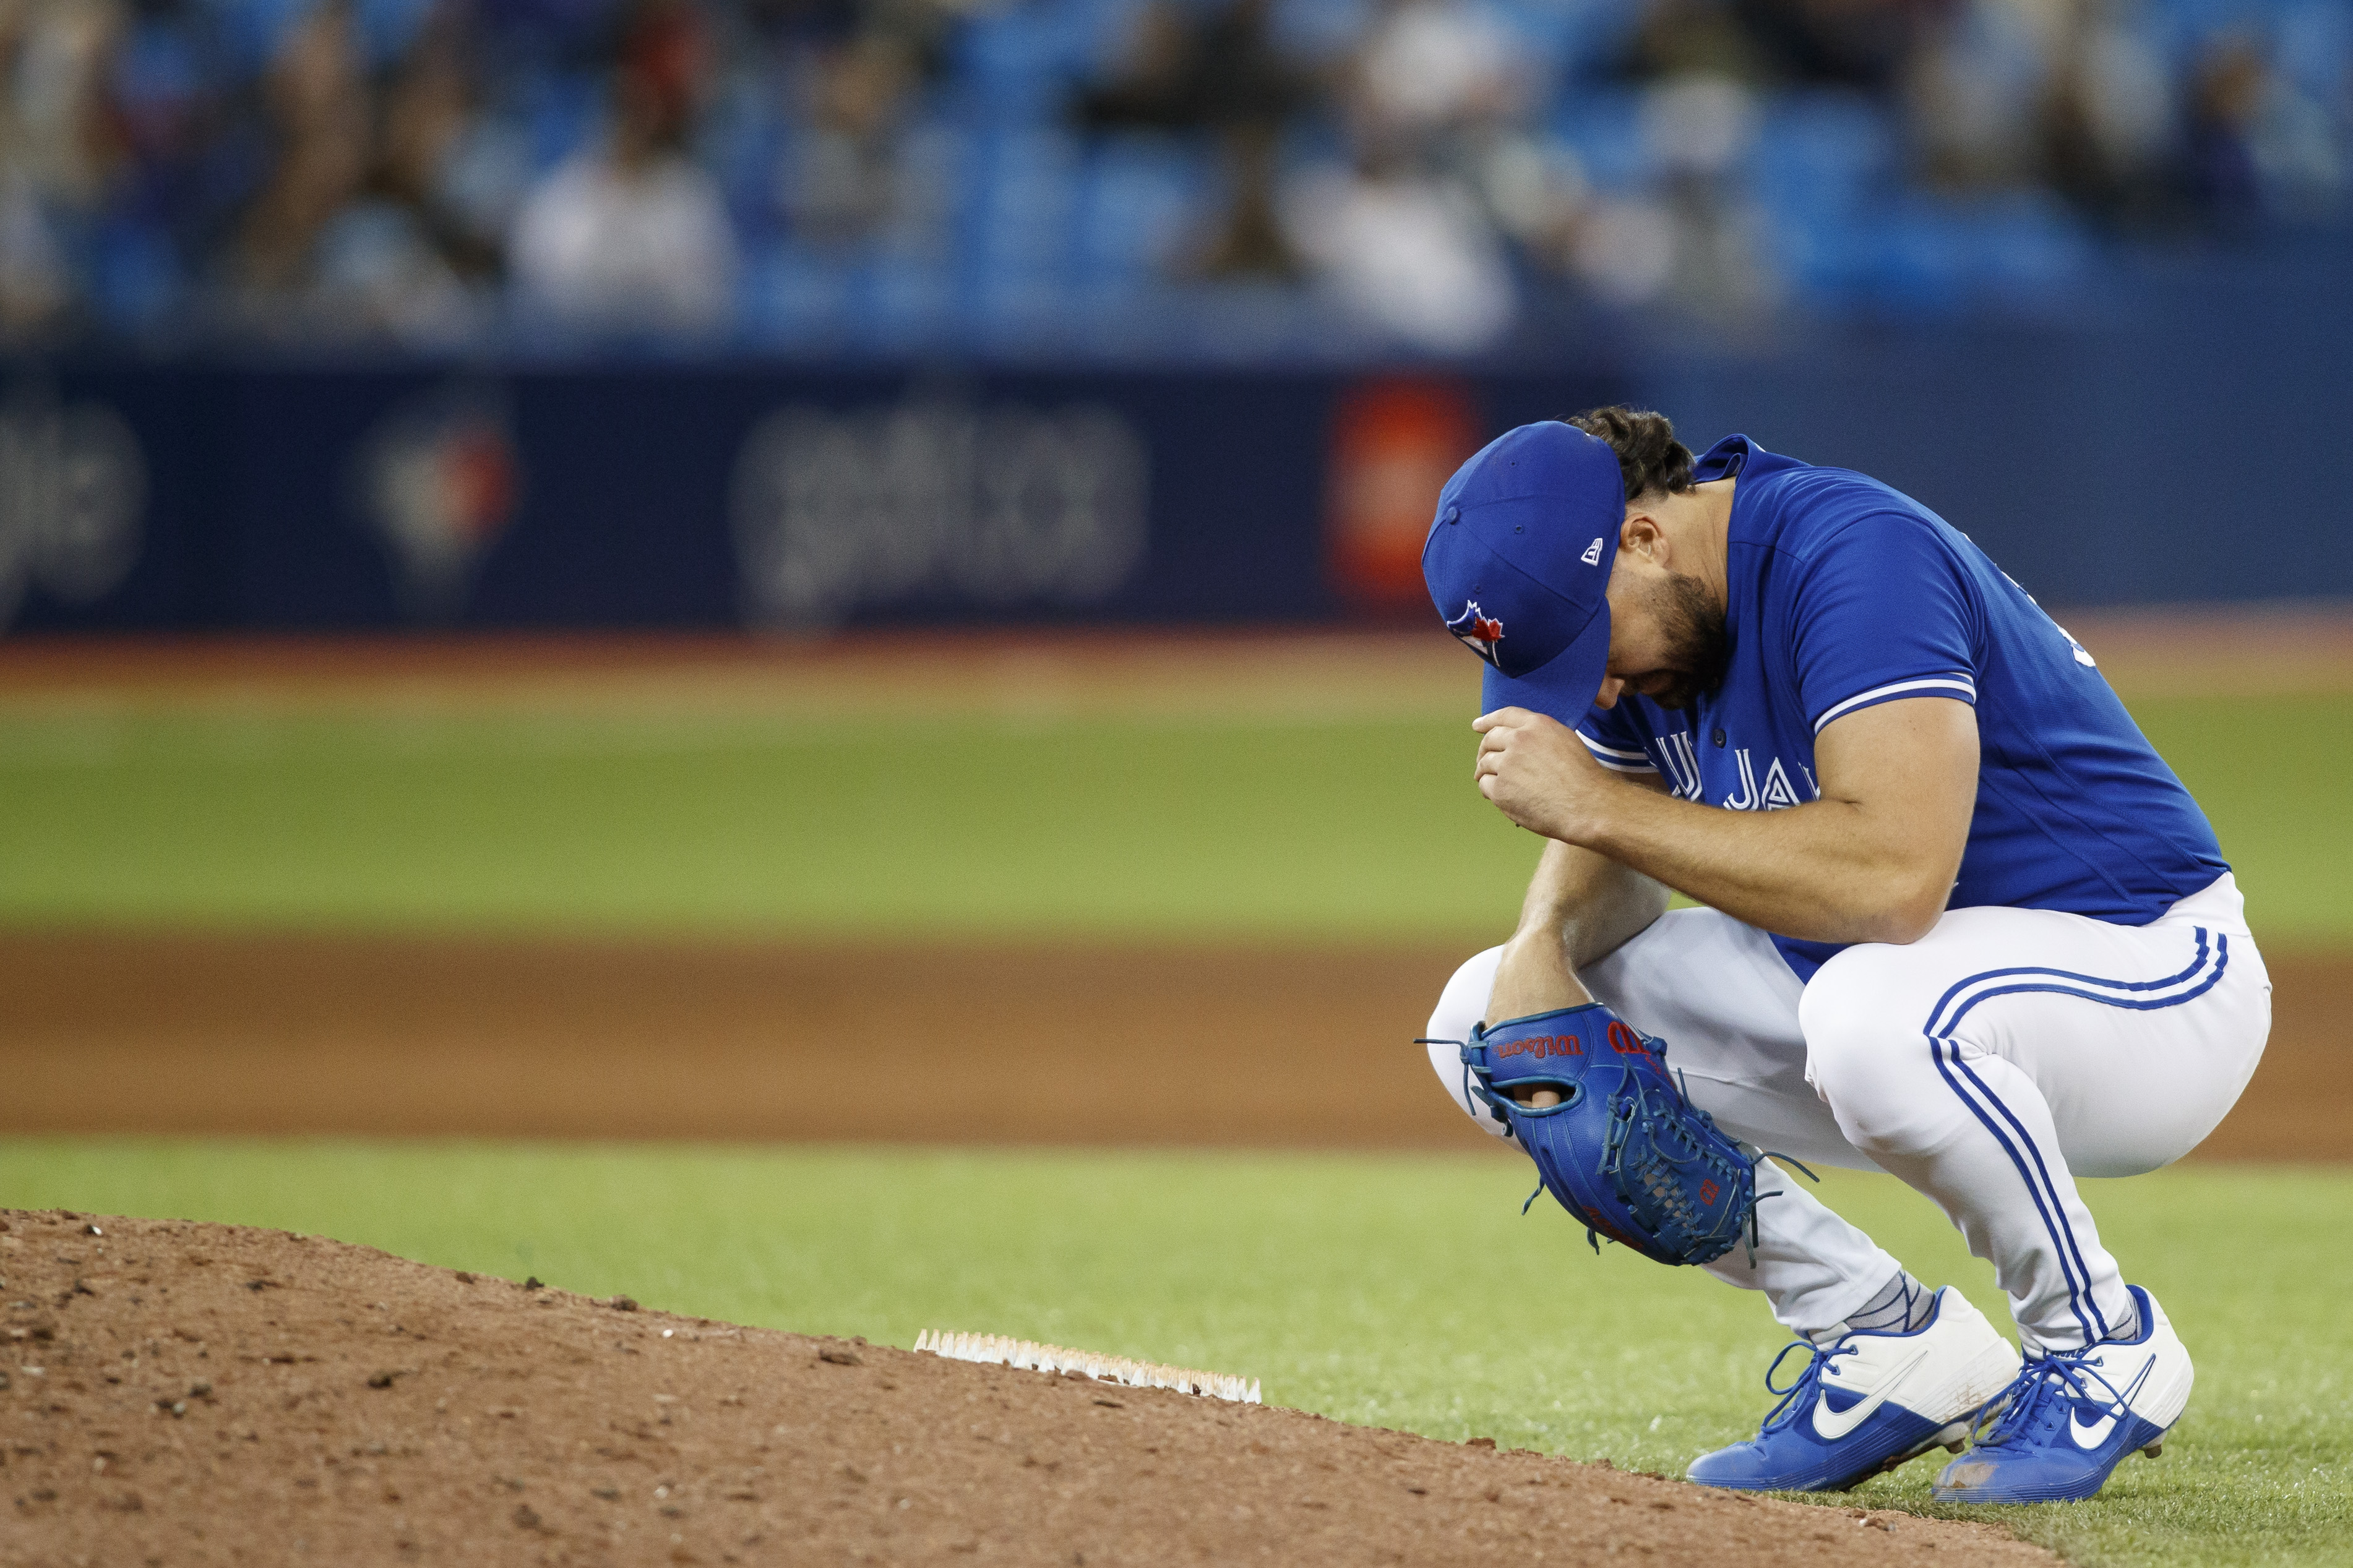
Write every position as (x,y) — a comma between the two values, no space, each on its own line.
(1793,1401)
(2041,1392)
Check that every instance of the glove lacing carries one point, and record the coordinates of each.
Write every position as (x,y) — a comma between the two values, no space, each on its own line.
(1763,1155)
(1632,1103)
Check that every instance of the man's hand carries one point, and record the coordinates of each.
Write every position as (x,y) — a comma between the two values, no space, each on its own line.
(1539,773)
(1871,859)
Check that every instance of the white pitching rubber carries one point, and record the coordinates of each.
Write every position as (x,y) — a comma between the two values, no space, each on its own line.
(995,1350)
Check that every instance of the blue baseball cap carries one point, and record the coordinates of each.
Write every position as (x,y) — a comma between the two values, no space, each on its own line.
(1518,564)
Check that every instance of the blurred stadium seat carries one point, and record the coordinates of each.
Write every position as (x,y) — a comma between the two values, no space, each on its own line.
(915,176)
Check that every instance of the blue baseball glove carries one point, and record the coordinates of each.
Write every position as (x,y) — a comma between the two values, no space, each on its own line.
(1623,1150)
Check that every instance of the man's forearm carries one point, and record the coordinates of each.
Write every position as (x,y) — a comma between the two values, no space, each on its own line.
(1590,904)
(1819,872)
(1579,908)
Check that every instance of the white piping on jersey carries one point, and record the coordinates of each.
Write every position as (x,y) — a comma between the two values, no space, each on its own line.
(1942,682)
(1616,761)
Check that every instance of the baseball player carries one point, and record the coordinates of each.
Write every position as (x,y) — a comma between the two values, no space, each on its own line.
(1962,925)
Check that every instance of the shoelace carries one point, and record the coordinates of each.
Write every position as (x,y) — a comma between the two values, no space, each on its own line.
(2060,1374)
(1793,1401)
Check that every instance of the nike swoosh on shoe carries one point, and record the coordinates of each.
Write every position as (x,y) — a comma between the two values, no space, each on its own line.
(1833,1424)
(2094,1435)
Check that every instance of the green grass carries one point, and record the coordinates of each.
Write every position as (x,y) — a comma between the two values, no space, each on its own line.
(688,822)
(2271,773)
(1401,1291)
(717,824)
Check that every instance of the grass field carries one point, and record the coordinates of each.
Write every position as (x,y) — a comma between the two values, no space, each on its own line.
(1402,1292)
(710,821)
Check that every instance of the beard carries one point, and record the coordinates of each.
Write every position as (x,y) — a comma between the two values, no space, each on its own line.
(1698,649)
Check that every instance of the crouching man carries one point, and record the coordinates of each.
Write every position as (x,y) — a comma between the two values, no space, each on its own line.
(1962,925)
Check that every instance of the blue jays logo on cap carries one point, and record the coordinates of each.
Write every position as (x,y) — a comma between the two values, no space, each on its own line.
(1480,633)
(1523,539)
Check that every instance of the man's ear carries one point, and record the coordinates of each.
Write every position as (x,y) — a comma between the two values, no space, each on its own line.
(1641,535)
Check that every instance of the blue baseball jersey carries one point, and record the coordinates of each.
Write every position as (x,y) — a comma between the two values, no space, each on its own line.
(1844,593)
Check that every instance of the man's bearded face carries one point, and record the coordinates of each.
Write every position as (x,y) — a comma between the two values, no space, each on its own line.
(1695,647)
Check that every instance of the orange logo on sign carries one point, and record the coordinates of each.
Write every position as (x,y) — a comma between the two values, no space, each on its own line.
(1395,441)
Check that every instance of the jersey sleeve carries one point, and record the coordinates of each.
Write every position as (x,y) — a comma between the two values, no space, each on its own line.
(1615,742)
(1884,614)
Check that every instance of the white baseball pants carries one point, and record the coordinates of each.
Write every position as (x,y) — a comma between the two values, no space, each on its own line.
(1986,1064)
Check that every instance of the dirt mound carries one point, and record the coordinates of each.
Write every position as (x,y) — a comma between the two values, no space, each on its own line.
(190,1394)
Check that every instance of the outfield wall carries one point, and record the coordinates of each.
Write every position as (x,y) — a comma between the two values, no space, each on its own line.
(2100,464)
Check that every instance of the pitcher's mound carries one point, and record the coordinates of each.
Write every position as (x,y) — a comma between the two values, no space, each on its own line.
(189,1393)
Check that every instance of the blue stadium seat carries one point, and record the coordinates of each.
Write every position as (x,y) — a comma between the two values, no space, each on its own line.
(1601,127)
(1823,154)
(902,304)
(1017,63)
(1138,200)
(1026,189)
(564,109)
(135,278)
(791,297)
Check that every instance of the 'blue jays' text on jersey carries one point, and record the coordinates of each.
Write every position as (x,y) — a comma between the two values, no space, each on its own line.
(1844,593)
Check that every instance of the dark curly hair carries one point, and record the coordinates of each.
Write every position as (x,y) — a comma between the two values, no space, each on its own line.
(1648,457)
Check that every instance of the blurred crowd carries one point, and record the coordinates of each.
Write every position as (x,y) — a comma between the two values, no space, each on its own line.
(1054,178)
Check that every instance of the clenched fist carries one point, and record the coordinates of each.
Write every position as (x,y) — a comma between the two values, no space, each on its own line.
(1539,773)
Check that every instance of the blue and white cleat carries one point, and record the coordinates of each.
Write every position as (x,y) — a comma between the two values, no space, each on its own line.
(1869,1402)
(2073,1417)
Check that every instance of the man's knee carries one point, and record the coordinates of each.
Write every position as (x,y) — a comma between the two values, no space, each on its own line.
(1866,1054)
(1460,1006)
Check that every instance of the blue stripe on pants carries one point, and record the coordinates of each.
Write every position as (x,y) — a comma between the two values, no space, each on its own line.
(2044,1191)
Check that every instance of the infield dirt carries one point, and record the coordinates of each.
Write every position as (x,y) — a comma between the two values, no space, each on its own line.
(194,1393)
(1102,1044)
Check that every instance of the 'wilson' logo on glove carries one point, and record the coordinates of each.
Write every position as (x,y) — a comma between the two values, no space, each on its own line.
(1624,1041)
(1543,1046)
